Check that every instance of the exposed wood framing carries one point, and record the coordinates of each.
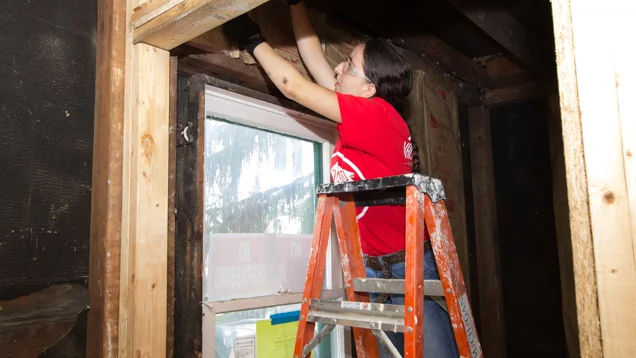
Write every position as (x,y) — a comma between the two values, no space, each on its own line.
(106,199)
(597,89)
(172,193)
(503,28)
(492,325)
(505,96)
(430,48)
(436,52)
(144,235)
(185,20)
(562,225)
(227,68)
(189,219)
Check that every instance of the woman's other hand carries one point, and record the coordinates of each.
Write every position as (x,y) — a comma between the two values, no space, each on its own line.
(243,31)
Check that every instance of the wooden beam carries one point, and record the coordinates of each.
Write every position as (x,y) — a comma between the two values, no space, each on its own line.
(172,194)
(438,53)
(144,235)
(106,199)
(171,23)
(189,219)
(492,324)
(562,225)
(426,46)
(512,94)
(597,84)
(504,29)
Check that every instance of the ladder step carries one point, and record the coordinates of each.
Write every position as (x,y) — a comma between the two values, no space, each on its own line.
(375,316)
(382,285)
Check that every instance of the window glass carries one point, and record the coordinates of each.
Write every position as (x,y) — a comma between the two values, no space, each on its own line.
(258,181)
(259,210)
(236,332)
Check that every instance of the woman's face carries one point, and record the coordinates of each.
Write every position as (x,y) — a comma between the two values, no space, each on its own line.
(350,77)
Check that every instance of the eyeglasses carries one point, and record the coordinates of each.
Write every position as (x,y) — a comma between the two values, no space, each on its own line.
(353,70)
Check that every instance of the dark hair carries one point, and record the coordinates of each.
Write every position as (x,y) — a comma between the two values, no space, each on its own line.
(387,68)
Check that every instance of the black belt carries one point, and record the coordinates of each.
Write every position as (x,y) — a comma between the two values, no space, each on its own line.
(373,262)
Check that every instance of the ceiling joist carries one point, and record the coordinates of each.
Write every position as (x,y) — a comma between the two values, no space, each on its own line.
(503,29)
(168,23)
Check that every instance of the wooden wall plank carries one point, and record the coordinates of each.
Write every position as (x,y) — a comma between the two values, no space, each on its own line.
(189,218)
(492,324)
(189,19)
(106,200)
(172,193)
(596,95)
(143,298)
(562,225)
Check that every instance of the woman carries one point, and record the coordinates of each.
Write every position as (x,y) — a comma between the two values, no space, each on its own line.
(365,95)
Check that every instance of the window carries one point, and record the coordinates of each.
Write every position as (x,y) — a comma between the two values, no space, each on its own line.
(262,164)
(259,210)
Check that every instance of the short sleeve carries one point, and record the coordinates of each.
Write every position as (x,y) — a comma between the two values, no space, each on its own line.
(361,121)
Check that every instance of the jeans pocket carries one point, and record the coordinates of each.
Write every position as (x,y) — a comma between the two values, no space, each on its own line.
(430,268)
(398,270)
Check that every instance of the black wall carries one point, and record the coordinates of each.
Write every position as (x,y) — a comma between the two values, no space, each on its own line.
(47,78)
(527,234)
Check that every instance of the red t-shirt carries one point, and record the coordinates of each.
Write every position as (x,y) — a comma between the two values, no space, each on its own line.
(374,142)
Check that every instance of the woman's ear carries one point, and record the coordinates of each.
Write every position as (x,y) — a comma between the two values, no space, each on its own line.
(369,90)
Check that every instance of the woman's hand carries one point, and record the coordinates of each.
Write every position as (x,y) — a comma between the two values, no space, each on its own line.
(247,34)
(309,46)
(243,31)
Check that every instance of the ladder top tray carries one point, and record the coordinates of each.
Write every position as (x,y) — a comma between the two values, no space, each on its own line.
(387,190)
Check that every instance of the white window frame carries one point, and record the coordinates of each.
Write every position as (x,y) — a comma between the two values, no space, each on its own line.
(252,112)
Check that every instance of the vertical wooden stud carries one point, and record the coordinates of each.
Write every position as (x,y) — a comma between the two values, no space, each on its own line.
(143,297)
(106,199)
(493,326)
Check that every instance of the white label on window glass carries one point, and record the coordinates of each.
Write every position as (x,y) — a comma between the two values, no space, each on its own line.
(245,347)
(252,265)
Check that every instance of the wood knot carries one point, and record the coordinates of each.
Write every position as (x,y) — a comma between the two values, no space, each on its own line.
(153,285)
(132,278)
(609,197)
(148,143)
(613,271)
(629,153)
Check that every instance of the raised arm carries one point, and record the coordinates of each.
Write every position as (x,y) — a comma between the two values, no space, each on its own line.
(287,79)
(309,46)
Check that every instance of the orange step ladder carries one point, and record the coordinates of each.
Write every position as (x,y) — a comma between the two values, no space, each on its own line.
(425,208)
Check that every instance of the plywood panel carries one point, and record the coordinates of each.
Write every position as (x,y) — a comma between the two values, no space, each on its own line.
(596,95)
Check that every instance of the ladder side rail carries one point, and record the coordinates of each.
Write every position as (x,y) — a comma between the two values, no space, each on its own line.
(353,267)
(452,279)
(414,275)
(315,270)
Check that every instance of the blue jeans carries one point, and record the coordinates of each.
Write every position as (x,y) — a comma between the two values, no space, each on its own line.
(439,341)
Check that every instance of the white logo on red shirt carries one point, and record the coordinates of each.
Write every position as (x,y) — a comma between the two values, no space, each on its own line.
(341,175)
(408,149)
